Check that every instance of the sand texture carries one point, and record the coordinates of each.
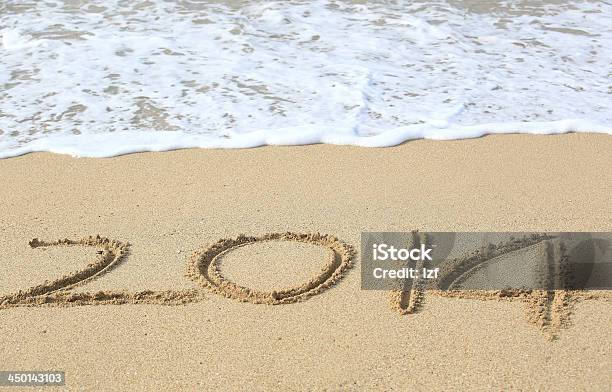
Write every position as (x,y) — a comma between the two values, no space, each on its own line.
(239,269)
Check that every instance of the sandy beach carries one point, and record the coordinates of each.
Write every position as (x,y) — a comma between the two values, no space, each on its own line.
(168,205)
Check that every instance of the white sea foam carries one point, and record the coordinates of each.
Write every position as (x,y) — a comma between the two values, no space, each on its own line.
(103,78)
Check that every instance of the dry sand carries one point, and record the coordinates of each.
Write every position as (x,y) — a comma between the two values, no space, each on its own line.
(158,214)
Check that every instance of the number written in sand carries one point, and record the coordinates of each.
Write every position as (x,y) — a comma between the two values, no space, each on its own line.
(550,310)
(203,268)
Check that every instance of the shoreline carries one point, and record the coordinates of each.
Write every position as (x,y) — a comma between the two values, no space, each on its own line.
(126,143)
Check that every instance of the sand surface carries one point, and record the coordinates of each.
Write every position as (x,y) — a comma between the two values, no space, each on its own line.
(168,205)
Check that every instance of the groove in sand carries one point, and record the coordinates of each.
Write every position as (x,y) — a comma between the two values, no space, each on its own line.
(549,309)
(204,268)
(411,296)
(112,252)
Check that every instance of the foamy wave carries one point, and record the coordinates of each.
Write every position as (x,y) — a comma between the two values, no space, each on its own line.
(103,78)
(120,143)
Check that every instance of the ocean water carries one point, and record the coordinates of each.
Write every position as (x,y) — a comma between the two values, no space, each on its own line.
(109,77)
